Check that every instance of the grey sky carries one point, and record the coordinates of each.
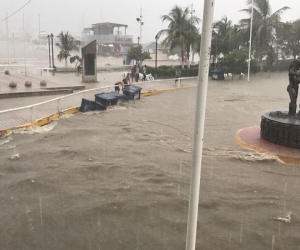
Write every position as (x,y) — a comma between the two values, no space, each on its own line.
(70,15)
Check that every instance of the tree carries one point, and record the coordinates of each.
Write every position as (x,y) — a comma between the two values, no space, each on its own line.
(264,24)
(181,30)
(66,43)
(226,36)
(75,58)
(234,61)
(289,38)
(135,53)
(193,37)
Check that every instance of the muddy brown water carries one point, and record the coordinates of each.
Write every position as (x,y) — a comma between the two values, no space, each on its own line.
(119,179)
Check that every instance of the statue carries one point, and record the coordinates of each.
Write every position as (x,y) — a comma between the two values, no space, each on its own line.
(282,127)
(292,89)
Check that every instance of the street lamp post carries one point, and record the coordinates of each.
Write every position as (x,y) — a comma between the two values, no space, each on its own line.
(25,69)
(49,51)
(7,36)
(13,40)
(250,42)
(156,38)
(52,50)
(189,50)
(139,19)
(139,49)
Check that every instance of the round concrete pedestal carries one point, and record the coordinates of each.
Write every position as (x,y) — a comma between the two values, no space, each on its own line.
(28,84)
(43,83)
(280,128)
(12,84)
(250,138)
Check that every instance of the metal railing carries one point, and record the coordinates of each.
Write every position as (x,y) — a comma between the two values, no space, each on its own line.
(16,117)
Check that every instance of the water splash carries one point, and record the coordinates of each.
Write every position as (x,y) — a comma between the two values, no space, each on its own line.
(36,130)
(6,141)
(15,155)
(240,155)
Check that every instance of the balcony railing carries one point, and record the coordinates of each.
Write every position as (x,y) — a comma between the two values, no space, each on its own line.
(107,38)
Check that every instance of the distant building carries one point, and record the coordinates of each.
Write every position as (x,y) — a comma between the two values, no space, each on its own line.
(43,37)
(162,52)
(111,41)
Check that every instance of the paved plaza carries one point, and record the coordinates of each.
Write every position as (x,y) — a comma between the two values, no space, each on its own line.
(27,114)
(36,59)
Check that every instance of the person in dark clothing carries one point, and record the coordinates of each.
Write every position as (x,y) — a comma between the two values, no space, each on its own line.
(133,71)
(144,72)
(292,89)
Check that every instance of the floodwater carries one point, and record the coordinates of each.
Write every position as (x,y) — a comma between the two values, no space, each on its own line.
(119,179)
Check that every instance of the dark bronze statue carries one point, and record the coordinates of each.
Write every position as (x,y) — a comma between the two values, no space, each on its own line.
(294,78)
(282,127)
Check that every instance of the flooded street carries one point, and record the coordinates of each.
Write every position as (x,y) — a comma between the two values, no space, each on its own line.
(119,179)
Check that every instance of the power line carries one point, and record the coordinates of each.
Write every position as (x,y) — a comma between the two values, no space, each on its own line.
(16,11)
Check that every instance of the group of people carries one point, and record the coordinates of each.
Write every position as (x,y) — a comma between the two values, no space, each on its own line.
(135,73)
(130,77)
(125,82)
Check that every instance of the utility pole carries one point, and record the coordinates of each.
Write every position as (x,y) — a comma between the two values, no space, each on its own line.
(7,37)
(190,45)
(208,13)
(24,48)
(40,44)
(250,42)
(13,41)
(39,31)
(141,22)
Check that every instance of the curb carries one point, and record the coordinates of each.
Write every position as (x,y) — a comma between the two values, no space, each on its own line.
(45,120)
(35,93)
(285,158)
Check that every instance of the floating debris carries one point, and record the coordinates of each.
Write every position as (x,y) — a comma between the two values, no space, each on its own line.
(15,156)
(286,219)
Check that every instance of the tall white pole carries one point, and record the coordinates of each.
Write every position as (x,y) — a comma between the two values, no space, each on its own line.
(24,49)
(189,62)
(7,34)
(205,48)
(13,43)
(250,42)
(39,31)
(141,22)
(40,46)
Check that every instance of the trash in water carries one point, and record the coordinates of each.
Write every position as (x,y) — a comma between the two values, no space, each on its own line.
(286,219)
(15,156)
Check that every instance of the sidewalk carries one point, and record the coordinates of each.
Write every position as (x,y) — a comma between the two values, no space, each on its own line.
(27,115)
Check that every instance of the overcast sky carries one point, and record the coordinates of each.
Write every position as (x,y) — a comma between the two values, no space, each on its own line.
(72,15)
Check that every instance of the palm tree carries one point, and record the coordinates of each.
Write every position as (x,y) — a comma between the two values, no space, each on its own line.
(66,43)
(288,35)
(227,36)
(194,37)
(264,23)
(181,30)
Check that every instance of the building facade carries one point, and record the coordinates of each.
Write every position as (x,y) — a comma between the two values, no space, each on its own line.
(111,38)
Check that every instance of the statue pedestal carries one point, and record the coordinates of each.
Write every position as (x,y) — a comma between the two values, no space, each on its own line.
(280,128)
